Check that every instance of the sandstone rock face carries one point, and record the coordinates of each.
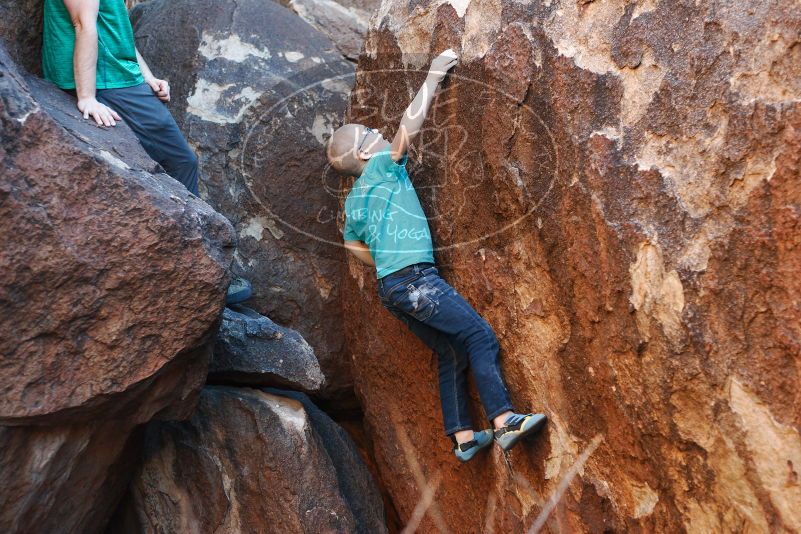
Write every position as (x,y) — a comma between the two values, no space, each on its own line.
(252,350)
(251,461)
(111,281)
(615,187)
(70,477)
(256,89)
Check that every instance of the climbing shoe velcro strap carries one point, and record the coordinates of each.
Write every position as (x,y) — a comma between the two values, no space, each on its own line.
(467,445)
(503,430)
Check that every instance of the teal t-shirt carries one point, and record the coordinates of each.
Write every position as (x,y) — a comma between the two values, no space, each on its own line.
(116,51)
(383,211)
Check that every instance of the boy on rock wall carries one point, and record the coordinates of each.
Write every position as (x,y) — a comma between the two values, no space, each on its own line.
(385,227)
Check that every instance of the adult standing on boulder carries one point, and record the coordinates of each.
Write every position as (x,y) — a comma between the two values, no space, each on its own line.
(88,49)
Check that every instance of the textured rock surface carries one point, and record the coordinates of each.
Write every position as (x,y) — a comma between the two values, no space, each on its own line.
(70,477)
(256,89)
(344,22)
(111,280)
(355,482)
(108,271)
(21,31)
(250,461)
(615,187)
(85,466)
(252,350)
(130,4)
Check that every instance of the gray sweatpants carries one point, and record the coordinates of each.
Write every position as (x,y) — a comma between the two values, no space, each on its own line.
(153,124)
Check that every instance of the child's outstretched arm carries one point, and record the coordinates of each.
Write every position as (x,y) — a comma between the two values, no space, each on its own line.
(416,113)
(361,251)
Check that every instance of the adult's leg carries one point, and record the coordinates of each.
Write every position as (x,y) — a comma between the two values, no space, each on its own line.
(156,130)
(433,302)
(452,365)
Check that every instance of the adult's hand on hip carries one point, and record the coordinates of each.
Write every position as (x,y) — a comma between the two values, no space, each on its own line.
(161,88)
(102,114)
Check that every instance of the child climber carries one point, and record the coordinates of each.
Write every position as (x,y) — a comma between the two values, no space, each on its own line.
(385,227)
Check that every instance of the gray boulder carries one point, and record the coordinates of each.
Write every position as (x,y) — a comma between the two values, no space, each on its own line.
(21,32)
(256,90)
(253,350)
(344,22)
(356,484)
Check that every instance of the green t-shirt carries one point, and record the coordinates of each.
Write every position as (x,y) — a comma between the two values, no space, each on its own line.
(383,211)
(116,52)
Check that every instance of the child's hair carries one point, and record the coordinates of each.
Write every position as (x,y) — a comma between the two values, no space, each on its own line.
(331,152)
(340,150)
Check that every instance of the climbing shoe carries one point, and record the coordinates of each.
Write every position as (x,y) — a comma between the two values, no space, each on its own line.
(239,291)
(465,451)
(517,426)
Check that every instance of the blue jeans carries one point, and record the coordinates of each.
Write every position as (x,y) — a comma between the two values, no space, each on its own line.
(446,322)
(156,130)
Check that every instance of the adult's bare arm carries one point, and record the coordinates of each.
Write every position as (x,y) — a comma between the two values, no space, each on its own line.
(159,86)
(361,251)
(83,14)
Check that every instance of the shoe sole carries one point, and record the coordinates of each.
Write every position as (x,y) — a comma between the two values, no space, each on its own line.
(535,424)
(465,460)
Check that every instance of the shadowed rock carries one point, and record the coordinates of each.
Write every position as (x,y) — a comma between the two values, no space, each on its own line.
(250,461)
(253,350)
(21,31)
(257,89)
(355,481)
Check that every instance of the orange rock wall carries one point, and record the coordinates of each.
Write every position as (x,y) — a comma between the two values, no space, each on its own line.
(615,188)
